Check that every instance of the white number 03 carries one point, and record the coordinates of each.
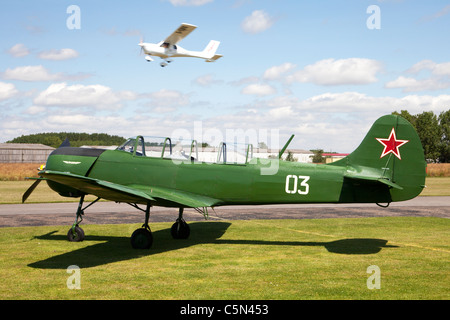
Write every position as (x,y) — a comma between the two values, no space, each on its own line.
(298,185)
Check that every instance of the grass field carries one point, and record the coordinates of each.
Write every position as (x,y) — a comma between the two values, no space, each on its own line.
(259,259)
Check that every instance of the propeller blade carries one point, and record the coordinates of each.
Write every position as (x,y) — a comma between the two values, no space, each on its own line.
(141,44)
(30,190)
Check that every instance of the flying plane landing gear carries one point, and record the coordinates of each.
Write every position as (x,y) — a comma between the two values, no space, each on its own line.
(142,238)
(180,229)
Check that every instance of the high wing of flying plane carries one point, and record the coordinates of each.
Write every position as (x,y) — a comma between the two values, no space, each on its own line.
(388,166)
(169,49)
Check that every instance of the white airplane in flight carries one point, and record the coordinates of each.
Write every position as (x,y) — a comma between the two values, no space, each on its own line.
(168,48)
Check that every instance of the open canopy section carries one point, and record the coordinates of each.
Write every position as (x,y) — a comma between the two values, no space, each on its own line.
(190,150)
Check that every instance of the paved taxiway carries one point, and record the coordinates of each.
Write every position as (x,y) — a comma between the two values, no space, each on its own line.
(12,215)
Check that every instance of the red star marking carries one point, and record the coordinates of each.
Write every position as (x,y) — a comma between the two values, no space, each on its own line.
(391,145)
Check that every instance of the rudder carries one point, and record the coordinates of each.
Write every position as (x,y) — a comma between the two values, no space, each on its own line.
(388,165)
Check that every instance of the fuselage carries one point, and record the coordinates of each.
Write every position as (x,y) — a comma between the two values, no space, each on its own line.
(260,181)
(155,49)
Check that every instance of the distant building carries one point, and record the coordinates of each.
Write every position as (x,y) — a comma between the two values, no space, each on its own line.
(332,157)
(24,153)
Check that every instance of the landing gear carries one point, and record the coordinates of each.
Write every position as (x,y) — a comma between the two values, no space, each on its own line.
(165,62)
(180,229)
(142,238)
(75,233)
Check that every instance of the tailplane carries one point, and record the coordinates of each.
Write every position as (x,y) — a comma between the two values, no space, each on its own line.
(389,165)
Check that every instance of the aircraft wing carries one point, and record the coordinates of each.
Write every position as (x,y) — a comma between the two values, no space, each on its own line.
(180,33)
(177,197)
(132,194)
(100,188)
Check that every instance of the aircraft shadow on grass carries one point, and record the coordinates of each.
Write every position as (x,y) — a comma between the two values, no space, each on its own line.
(115,249)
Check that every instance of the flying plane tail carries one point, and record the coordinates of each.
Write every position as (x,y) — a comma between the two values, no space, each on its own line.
(389,164)
(210,49)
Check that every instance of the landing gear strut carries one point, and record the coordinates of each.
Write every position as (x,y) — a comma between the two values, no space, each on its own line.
(142,238)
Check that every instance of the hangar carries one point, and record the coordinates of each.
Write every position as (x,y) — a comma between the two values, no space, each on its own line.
(24,153)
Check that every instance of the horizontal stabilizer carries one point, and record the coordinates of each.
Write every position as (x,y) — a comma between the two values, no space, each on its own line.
(384,181)
(213,59)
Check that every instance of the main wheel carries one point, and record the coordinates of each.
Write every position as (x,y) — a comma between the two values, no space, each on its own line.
(180,230)
(76,235)
(141,239)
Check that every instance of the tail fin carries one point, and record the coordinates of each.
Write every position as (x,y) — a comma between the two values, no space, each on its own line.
(389,164)
(210,49)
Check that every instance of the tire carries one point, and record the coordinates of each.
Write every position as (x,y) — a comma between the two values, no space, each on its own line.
(77,237)
(141,239)
(180,230)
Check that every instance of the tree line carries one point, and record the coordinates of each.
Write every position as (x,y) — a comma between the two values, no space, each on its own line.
(54,139)
(433,131)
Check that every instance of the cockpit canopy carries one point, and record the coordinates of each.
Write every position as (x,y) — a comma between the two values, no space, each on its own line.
(160,147)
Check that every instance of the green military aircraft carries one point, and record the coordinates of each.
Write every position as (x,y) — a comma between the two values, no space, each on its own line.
(387,166)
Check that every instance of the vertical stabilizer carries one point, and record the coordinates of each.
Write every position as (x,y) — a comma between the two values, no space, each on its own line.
(390,157)
(210,49)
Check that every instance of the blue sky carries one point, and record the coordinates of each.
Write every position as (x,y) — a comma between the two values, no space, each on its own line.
(312,68)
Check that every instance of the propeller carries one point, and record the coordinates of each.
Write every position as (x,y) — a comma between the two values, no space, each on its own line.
(65,143)
(30,190)
(141,44)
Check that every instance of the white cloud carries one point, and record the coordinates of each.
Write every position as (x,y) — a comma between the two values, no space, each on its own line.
(38,73)
(444,11)
(168,99)
(258,89)
(332,121)
(338,72)
(360,102)
(7,91)
(281,112)
(35,110)
(206,80)
(62,54)
(276,72)
(31,73)
(439,69)
(437,77)
(186,3)
(257,22)
(413,85)
(96,96)
(19,50)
